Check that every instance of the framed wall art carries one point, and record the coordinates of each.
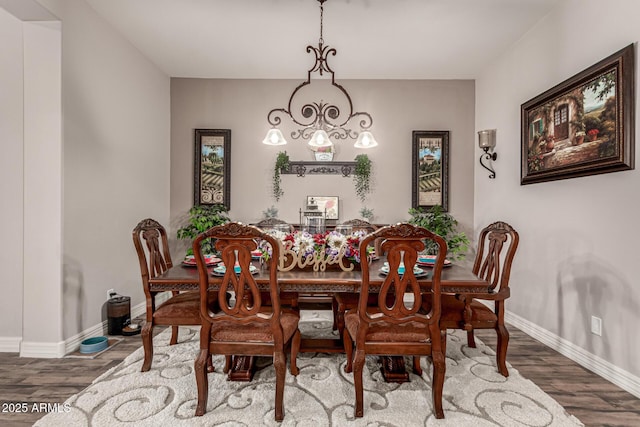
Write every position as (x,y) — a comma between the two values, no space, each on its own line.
(430,169)
(328,203)
(212,173)
(583,126)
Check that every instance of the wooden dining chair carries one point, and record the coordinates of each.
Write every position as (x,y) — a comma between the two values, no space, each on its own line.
(396,326)
(150,241)
(497,244)
(245,325)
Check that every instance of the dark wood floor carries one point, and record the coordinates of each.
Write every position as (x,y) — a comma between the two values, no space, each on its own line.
(593,400)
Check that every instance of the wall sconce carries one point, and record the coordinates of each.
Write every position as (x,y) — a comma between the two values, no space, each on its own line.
(487,141)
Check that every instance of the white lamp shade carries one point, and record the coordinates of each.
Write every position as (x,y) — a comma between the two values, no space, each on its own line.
(320,138)
(365,140)
(274,137)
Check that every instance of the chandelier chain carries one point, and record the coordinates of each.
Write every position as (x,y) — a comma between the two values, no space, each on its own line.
(321,41)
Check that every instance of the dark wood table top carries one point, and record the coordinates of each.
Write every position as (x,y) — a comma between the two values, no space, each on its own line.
(455,279)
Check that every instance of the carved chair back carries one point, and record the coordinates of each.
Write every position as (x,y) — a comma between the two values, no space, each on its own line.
(235,242)
(150,241)
(497,244)
(402,243)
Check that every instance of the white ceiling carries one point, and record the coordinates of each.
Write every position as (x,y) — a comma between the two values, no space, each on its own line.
(375,39)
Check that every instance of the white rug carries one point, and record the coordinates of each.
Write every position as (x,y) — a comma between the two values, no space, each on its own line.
(475,394)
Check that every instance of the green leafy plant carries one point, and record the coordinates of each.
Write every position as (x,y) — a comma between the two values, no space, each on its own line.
(442,223)
(270,212)
(362,176)
(282,162)
(201,218)
(366,213)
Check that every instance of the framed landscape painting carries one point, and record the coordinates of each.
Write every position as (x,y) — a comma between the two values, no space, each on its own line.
(430,169)
(583,126)
(212,167)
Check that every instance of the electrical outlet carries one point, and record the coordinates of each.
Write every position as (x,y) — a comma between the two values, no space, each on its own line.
(596,326)
(110,293)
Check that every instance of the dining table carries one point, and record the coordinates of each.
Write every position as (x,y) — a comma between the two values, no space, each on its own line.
(455,279)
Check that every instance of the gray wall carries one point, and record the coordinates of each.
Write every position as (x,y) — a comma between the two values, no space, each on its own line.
(11,177)
(115,158)
(398,107)
(578,255)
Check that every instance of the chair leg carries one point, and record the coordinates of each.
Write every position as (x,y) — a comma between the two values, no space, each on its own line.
(174,335)
(202,381)
(439,367)
(210,367)
(227,364)
(334,309)
(471,342)
(279,363)
(348,349)
(358,365)
(416,365)
(501,350)
(147,344)
(295,348)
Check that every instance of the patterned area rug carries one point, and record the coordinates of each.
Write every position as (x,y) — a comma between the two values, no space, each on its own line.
(475,394)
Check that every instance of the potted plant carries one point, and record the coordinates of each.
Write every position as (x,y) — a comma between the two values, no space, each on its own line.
(442,223)
(282,162)
(366,213)
(362,176)
(579,138)
(270,212)
(201,218)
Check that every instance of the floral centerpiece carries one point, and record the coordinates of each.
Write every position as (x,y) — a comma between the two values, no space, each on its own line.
(302,249)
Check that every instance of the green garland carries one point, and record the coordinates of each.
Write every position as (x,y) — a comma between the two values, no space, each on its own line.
(282,162)
(362,176)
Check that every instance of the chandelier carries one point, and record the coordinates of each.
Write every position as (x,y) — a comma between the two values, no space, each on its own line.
(320,121)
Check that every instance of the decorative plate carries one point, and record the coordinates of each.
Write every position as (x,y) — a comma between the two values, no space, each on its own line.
(190,261)
(417,271)
(221,270)
(429,260)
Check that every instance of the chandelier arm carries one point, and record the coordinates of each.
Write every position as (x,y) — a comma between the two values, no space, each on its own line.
(273,117)
(366,121)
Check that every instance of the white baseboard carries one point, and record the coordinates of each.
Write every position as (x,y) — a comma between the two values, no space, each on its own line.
(73,343)
(48,350)
(10,344)
(623,379)
(44,350)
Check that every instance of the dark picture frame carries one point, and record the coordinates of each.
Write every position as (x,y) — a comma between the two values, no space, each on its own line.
(582,126)
(430,169)
(212,167)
